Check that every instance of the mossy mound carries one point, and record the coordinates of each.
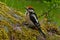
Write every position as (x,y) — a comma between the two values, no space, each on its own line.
(11,24)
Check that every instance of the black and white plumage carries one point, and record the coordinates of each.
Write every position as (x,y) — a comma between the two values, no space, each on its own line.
(34,19)
(30,14)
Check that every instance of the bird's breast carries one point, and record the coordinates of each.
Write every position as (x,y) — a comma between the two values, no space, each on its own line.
(28,19)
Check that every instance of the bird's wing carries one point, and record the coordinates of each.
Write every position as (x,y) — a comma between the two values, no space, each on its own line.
(33,18)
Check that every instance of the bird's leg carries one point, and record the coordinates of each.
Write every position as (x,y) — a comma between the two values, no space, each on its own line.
(36,28)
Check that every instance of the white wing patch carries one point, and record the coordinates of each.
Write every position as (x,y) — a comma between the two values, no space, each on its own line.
(35,18)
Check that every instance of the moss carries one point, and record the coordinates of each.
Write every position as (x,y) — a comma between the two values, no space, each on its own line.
(18,31)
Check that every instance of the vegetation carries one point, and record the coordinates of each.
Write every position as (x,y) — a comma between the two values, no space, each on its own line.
(12,20)
(43,6)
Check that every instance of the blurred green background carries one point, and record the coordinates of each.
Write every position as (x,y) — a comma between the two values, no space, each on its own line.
(40,7)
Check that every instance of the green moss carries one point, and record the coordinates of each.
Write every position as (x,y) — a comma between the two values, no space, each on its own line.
(24,33)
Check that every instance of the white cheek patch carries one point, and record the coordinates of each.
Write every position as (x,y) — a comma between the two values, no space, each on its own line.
(35,18)
(31,11)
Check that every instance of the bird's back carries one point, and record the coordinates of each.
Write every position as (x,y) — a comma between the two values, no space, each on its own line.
(34,19)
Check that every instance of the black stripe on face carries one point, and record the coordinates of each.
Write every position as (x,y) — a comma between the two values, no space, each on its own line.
(31,8)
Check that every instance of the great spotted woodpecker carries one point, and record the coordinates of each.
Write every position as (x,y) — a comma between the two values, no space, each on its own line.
(32,17)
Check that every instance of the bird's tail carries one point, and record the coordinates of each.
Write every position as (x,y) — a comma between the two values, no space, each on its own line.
(40,31)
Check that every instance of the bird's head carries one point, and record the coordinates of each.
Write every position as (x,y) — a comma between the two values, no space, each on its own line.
(30,9)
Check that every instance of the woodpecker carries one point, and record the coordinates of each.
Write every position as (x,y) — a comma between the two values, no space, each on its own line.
(32,17)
